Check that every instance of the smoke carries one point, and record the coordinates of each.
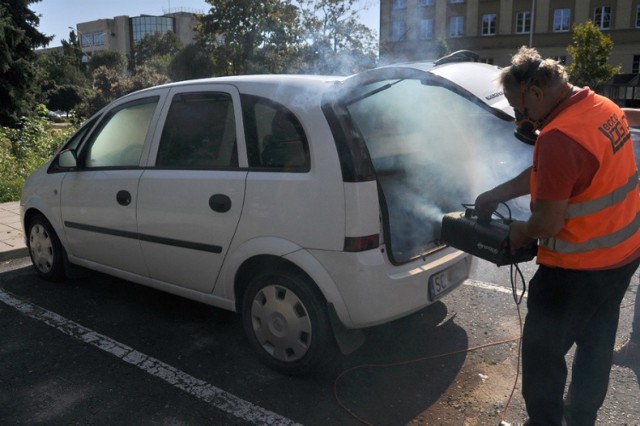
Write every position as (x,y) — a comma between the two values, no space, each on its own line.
(434,150)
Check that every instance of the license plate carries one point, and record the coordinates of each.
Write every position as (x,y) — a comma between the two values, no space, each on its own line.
(444,281)
(438,285)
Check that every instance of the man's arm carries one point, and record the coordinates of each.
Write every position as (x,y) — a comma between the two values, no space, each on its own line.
(487,202)
(546,221)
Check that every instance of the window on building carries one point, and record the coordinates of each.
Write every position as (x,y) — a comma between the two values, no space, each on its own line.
(427,2)
(561,20)
(456,26)
(602,17)
(523,23)
(425,29)
(87,40)
(399,4)
(143,25)
(489,24)
(635,67)
(638,16)
(98,39)
(398,30)
(456,1)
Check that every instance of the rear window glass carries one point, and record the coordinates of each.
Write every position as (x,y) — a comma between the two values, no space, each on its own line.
(432,150)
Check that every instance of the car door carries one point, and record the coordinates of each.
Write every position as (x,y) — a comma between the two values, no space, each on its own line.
(189,203)
(98,198)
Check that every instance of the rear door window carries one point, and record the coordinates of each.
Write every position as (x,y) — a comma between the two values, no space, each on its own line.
(199,133)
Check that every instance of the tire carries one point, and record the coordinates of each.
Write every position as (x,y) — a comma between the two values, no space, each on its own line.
(45,249)
(285,319)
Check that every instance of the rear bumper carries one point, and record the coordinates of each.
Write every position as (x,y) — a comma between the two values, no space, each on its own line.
(373,291)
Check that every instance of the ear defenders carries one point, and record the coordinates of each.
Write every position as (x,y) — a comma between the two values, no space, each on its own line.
(526,129)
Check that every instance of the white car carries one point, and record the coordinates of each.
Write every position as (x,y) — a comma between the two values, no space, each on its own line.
(311,205)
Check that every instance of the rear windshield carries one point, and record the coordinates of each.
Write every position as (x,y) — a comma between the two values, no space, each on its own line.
(432,150)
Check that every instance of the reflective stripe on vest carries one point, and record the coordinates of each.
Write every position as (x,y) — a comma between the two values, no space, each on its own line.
(593,206)
(605,241)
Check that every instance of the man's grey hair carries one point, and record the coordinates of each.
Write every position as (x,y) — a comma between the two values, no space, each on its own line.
(529,68)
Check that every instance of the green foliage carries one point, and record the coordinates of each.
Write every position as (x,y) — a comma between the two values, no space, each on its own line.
(18,38)
(590,50)
(24,149)
(191,62)
(339,44)
(108,58)
(251,36)
(153,45)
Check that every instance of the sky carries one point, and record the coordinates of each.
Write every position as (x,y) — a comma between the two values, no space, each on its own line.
(56,16)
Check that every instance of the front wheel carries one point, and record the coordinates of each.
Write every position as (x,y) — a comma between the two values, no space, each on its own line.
(45,249)
(285,319)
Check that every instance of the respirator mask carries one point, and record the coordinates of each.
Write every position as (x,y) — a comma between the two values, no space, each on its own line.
(526,129)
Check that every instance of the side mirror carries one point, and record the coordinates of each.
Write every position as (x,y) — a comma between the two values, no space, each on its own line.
(67,159)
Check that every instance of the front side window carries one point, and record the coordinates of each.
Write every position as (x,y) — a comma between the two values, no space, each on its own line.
(119,139)
(98,39)
(425,29)
(456,26)
(275,138)
(523,22)
(638,16)
(398,30)
(602,17)
(489,24)
(199,133)
(561,20)
(427,2)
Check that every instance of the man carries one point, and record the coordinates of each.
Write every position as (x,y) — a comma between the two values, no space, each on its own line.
(629,351)
(585,214)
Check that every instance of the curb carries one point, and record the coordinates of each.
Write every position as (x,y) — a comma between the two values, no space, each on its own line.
(14,254)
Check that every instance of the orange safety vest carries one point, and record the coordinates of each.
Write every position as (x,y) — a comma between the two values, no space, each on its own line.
(601,228)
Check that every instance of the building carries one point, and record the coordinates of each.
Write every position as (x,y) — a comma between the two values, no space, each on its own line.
(418,29)
(122,32)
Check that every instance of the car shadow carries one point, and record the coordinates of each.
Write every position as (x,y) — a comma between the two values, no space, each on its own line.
(399,372)
(403,368)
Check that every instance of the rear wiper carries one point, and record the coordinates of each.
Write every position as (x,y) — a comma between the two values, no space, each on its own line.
(373,92)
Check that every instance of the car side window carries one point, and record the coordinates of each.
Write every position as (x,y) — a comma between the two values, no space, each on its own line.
(199,133)
(275,137)
(119,139)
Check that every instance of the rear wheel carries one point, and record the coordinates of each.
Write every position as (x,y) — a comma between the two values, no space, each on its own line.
(45,249)
(285,319)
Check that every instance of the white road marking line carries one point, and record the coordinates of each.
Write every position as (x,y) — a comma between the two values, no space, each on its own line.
(202,390)
(490,286)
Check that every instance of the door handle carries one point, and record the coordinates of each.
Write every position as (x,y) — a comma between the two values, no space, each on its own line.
(123,198)
(220,203)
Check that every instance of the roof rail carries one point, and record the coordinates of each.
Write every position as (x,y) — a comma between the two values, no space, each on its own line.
(458,56)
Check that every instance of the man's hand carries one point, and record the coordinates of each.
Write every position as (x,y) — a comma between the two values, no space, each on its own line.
(518,235)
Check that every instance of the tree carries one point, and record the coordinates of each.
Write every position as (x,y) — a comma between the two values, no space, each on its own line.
(590,50)
(153,45)
(191,62)
(339,43)
(64,98)
(110,58)
(249,36)
(18,39)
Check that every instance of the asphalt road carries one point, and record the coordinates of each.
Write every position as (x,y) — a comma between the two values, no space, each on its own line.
(99,350)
